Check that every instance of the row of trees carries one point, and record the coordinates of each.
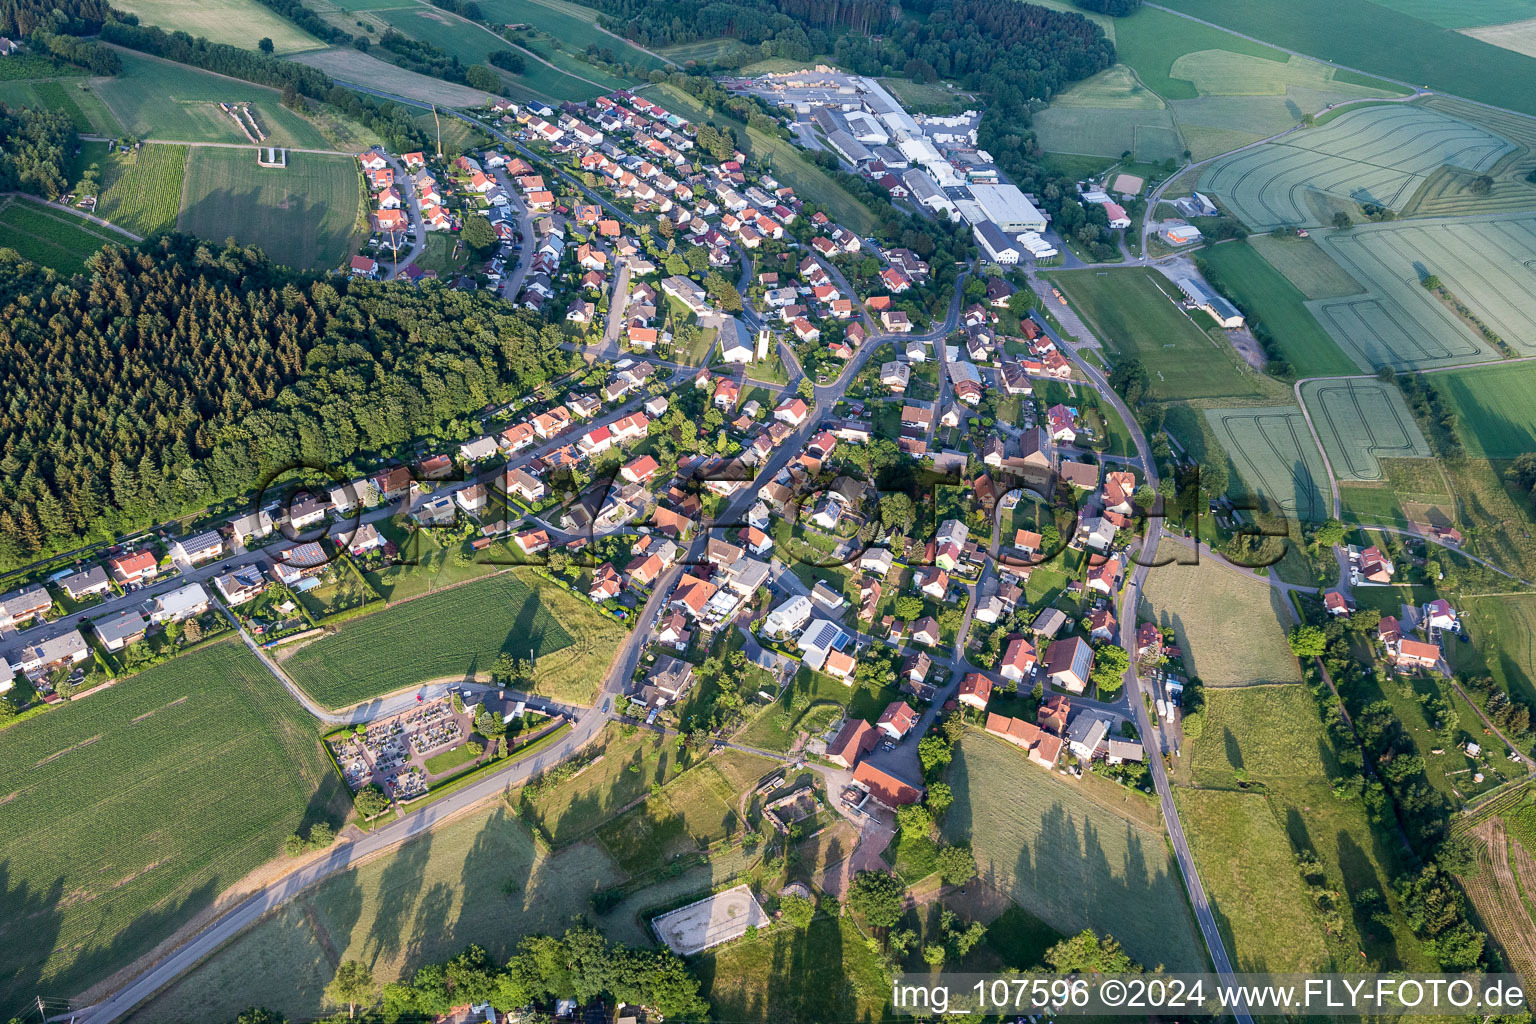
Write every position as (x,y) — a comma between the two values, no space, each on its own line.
(179,375)
(309,21)
(75,17)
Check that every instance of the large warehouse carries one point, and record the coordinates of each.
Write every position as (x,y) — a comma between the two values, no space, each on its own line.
(1007,207)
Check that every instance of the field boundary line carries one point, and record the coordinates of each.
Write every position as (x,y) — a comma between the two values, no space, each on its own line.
(49,203)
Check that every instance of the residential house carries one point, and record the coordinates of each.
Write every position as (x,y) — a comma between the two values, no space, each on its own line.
(855,739)
(133,567)
(118,631)
(1069,663)
(241,584)
(898,719)
(975,690)
(1018,661)
(179,604)
(87,583)
(24,604)
(197,548)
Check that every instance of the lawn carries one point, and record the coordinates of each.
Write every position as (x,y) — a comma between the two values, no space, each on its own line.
(1067,858)
(1267,297)
(825,973)
(141,190)
(305,215)
(460,632)
(1358,34)
(236,22)
(1362,422)
(450,759)
(788,163)
(51,237)
(160,99)
(1229,627)
(1277,461)
(1495,416)
(1132,312)
(132,809)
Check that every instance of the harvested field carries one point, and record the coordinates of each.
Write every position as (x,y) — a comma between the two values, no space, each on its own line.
(235,22)
(1305,265)
(1361,422)
(349,65)
(1519,36)
(1276,459)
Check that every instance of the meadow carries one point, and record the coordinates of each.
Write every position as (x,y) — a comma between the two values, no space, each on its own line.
(1066,858)
(1228,626)
(1133,313)
(1378,154)
(1276,459)
(161,99)
(1265,295)
(825,973)
(1401,324)
(131,810)
(1305,265)
(236,22)
(141,190)
(1361,422)
(1503,631)
(1495,414)
(1265,732)
(347,64)
(1356,34)
(459,632)
(575,25)
(305,215)
(1148,133)
(51,237)
(72,96)
(1150,40)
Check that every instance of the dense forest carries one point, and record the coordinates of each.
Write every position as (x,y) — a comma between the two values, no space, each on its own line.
(1114,8)
(177,375)
(35,147)
(75,17)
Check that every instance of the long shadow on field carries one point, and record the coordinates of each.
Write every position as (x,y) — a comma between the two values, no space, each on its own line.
(399,890)
(523,640)
(1359,876)
(29,929)
(290,234)
(326,804)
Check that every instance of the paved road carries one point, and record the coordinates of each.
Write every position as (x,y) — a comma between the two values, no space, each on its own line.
(411,203)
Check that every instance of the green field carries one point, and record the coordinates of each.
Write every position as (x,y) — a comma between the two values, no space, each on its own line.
(1361,34)
(826,973)
(1066,858)
(1304,264)
(703,51)
(1276,459)
(1495,410)
(1133,313)
(1503,630)
(458,632)
(236,22)
(347,64)
(158,99)
(1265,295)
(1262,731)
(132,809)
(1149,134)
(1481,261)
(788,162)
(305,215)
(573,24)
(472,43)
(73,96)
(51,237)
(1230,628)
(1465,14)
(1360,422)
(142,190)
(1377,154)
(1151,40)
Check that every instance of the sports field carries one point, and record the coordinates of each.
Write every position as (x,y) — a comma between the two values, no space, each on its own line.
(575,25)
(158,99)
(50,237)
(141,190)
(129,811)
(1067,859)
(1132,311)
(304,215)
(1495,408)
(1485,262)
(1360,422)
(1276,459)
(1360,34)
(1229,627)
(1265,295)
(458,632)
(1378,154)
(710,921)
(349,65)
(236,22)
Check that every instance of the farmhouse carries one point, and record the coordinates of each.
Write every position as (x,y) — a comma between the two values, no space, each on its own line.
(855,739)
